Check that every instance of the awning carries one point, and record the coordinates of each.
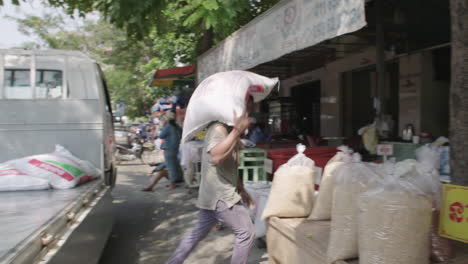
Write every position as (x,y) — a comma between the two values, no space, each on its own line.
(166,77)
(287,27)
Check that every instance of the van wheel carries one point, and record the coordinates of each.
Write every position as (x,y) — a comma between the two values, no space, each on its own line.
(111,176)
(117,158)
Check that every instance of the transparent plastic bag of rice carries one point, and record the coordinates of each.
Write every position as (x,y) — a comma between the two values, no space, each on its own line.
(323,203)
(292,190)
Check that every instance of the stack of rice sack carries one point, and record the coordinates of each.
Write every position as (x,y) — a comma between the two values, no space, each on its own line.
(292,191)
(59,170)
(382,214)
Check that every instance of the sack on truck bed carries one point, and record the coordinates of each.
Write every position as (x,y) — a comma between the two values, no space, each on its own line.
(61,169)
(292,191)
(91,171)
(11,179)
(323,202)
(219,95)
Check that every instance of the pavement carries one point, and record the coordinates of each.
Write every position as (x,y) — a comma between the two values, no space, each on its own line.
(149,225)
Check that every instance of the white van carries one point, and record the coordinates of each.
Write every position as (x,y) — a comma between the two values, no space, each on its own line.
(50,97)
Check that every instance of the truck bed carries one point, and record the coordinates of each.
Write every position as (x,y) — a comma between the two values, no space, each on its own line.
(27,217)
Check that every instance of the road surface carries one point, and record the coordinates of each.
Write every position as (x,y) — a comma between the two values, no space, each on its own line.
(149,226)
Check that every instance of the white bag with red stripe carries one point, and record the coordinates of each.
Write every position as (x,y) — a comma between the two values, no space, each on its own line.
(220,95)
(12,179)
(61,171)
(91,171)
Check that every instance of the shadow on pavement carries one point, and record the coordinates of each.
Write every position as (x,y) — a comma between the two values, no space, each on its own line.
(150,225)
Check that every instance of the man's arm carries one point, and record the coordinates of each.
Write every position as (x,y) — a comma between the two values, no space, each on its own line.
(243,193)
(223,149)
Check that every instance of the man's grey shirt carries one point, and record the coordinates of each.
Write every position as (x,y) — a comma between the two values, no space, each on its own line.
(218,182)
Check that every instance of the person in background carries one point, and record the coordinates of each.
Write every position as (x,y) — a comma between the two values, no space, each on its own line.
(221,191)
(255,132)
(146,111)
(142,130)
(171,133)
(159,172)
(155,106)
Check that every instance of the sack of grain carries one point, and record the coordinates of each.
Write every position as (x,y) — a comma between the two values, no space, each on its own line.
(292,191)
(91,172)
(221,94)
(395,223)
(62,170)
(425,177)
(12,179)
(422,176)
(353,179)
(323,202)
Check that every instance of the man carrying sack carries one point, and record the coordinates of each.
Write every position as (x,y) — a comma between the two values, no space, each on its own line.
(221,190)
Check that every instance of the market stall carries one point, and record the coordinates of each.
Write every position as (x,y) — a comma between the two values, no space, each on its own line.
(360,89)
(364,213)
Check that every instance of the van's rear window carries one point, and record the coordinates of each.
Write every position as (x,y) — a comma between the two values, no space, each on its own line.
(17,84)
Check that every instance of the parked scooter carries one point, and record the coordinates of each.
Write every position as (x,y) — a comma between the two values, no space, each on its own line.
(123,153)
(141,148)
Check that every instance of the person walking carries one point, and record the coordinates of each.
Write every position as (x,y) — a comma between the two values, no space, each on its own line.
(171,134)
(221,192)
(156,175)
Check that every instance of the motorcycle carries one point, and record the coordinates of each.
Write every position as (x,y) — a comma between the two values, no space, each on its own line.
(123,153)
(141,149)
(128,148)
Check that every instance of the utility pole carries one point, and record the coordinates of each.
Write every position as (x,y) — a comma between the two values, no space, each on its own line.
(459,93)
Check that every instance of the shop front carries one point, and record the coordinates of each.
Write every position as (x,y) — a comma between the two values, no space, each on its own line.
(343,66)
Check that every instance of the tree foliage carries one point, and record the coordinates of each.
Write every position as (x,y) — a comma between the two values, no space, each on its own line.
(141,18)
(134,38)
(127,63)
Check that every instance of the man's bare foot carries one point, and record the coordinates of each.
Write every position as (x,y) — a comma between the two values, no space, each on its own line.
(147,189)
